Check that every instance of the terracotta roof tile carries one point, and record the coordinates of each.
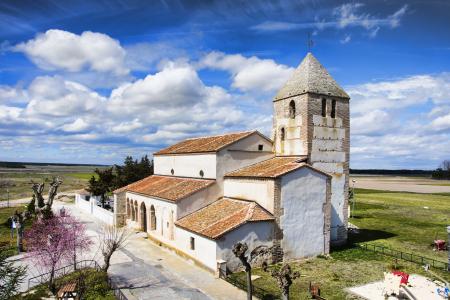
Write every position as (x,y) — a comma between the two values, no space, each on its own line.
(204,144)
(271,168)
(222,216)
(166,187)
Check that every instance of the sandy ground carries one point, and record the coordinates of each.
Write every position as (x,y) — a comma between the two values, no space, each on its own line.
(419,287)
(401,184)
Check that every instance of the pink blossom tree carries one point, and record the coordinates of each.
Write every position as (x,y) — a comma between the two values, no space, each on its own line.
(53,241)
(78,239)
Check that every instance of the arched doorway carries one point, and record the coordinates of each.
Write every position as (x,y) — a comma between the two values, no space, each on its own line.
(143,217)
(152,218)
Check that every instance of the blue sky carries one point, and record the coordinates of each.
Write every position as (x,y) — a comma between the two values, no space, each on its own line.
(93,82)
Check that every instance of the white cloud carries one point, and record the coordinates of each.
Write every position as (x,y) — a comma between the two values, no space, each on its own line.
(55,97)
(371,123)
(341,17)
(77,126)
(441,123)
(61,50)
(400,93)
(249,73)
(11,95)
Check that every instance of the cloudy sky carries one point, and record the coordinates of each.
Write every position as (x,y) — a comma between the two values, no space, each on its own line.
(93,82)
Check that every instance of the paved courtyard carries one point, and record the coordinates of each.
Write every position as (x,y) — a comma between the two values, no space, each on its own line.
(145,271)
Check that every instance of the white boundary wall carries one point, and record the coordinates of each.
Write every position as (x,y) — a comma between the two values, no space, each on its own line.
(90,207)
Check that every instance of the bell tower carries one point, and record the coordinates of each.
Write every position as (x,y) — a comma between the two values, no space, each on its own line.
(312,118)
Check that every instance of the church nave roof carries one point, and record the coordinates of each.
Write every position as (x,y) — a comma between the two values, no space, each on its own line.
(167,187)
(271,168)
(206,143)
(222,216)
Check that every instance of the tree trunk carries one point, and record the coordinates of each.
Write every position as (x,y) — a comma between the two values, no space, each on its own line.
(51,283)
(285,295)
(248,270)
(107,262)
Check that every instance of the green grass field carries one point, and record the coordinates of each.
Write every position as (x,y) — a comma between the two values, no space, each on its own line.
(20,182)
(395,219)
(6,242)
(404,221)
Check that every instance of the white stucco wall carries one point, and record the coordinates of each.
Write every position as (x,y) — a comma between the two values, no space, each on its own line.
(90,207)
(205,249)
(186,165)
(303,195)
(258,190)
(198,200)
(253,233)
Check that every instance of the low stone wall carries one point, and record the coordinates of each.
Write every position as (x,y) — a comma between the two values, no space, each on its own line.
(90,207)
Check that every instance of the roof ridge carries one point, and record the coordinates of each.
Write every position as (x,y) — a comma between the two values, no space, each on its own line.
(218,135)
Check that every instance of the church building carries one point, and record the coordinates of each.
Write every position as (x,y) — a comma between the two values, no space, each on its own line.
(289,192)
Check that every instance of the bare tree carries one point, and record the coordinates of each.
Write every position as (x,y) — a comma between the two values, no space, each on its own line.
(284,277)
(239,250)
(44,209)
(112,239)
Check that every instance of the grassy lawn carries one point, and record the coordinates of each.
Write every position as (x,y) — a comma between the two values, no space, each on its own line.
(96,286)
(346,268)
(21,182)
(395,219)
(6,242)
(404,221)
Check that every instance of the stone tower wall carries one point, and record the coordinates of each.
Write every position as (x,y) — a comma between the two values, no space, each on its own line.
(295,142)
(329,151)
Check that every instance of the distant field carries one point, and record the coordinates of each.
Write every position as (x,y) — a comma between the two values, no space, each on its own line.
(415,184)
(19,179)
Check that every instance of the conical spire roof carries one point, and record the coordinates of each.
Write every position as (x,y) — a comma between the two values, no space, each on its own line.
(311,76)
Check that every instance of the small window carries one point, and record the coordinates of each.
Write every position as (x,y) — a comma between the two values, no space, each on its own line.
(282,134)
(88,198)
(333,108)
(172,171)
(167,224)
(324,108)
(192,243)
(260,147)
(202,173)
(292,109)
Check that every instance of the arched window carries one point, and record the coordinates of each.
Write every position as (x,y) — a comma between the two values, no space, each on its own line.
(282,134)
(128,208)
(324,107)
(135,210)
(333,108)
(152,218)
(292,109)
(132,210)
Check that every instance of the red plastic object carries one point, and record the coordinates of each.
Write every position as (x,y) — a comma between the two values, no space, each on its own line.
(439,245)
(403,275)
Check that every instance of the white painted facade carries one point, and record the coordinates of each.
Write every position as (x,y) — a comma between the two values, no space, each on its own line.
(186,165)
(259,190)
(89,205)
(254,234)
(304,204)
